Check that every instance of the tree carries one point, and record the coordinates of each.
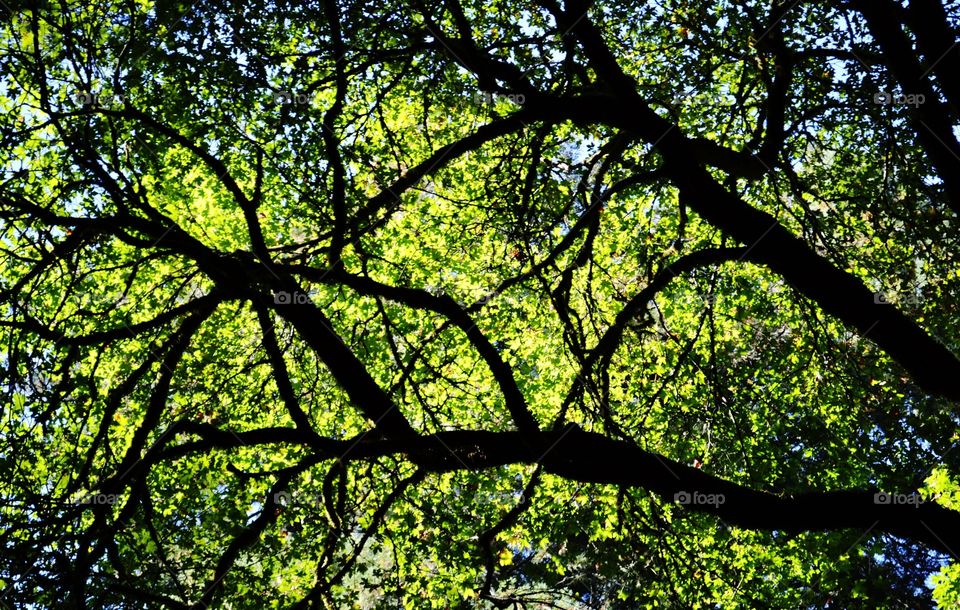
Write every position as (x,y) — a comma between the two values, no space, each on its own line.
(480,305)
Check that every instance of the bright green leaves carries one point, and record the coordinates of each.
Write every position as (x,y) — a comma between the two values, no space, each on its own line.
(116,224)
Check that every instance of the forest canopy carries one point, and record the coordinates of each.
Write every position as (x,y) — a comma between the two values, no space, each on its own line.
(455,304)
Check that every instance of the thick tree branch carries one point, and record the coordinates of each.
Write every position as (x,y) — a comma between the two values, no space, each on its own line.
(578,455)
(449,308)
(933,366)
(364,392)
(931,119)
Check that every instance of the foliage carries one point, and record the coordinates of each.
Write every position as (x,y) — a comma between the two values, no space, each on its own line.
(355,304)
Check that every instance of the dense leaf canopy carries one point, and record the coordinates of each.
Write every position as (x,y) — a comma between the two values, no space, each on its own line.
(502,304)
